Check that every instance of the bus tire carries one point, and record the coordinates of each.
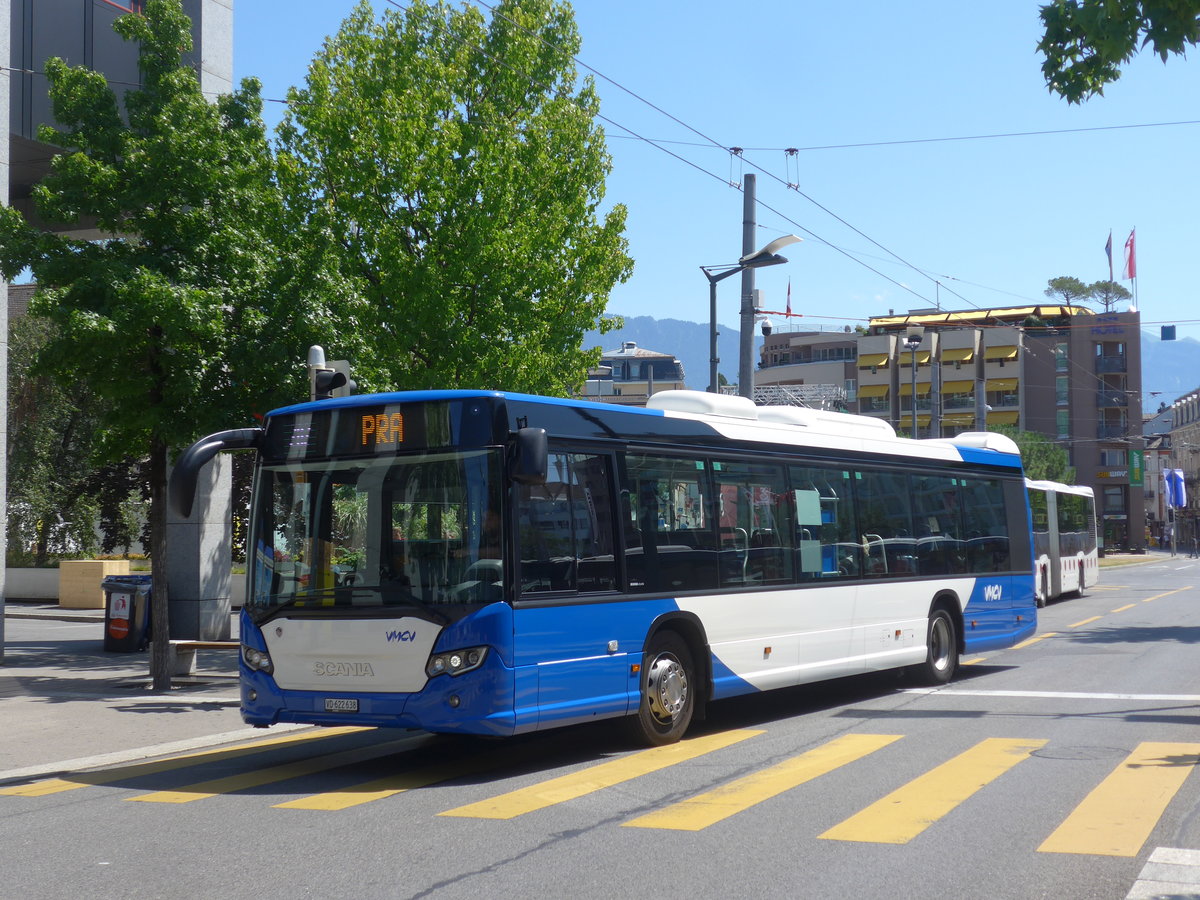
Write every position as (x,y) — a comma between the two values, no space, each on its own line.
(941,649)
(1043,591)
(667,691)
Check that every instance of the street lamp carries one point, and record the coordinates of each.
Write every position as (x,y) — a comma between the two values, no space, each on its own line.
(912,342)
(767,256)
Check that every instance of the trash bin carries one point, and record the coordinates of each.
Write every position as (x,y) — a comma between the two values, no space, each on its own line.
(126,613)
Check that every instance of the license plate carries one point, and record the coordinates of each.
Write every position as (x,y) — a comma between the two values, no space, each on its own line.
(341,704)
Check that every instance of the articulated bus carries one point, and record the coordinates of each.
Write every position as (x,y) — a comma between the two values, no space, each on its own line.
(498,563)
(1064,539)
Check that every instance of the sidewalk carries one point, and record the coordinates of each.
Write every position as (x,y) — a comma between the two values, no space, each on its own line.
(69,704)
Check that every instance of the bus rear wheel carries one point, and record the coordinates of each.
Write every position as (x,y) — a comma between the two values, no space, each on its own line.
(668,693)
(941,653)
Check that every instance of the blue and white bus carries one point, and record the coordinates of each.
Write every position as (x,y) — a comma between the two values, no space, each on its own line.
(498,563)
(1065,555)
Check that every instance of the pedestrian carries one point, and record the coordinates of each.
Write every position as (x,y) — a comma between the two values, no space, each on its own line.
(1195,554)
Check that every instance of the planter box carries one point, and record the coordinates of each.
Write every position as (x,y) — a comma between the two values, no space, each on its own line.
(79,581)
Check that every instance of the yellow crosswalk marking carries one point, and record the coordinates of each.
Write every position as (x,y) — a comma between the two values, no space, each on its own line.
(1116,818)
(271,774)
(906,812)
(138,770)
(711,807)
(390,785)
(606,774)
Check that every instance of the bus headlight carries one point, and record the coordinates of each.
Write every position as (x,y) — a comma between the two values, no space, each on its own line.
(455,662)
(258,660)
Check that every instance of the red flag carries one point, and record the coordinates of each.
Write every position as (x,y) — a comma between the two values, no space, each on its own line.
(1130,257)
(789,304)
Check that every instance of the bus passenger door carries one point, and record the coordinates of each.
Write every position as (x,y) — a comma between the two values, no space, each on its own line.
(572,649)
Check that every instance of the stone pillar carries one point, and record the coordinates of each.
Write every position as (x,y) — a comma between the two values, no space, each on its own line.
(199,565)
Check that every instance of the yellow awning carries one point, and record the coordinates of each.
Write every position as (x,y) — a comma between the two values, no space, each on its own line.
(960,354)
(906,388)
(957,387)
(866,360)
(873,390)
(1002,418)
(1007,351)
(1002,384)
(906,358)
(959,419)
(921,419)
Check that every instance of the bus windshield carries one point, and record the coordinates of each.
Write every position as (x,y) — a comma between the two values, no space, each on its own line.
(422,530)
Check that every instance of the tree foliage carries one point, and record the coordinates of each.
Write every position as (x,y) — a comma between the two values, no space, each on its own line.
(1087,41)
(449,174)
(1070,291)
(173,318)
(1042,458)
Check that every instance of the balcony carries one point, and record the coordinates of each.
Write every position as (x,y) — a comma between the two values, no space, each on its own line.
(1110,363)
(1111,398)
(1108,432)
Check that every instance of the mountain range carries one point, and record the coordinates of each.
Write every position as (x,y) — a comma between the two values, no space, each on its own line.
(1170,369)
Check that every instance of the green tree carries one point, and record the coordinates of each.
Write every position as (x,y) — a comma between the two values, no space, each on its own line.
(449,174)
(172,320)
(1087,41)
(1042,458)
(1108,293)
(1068,290)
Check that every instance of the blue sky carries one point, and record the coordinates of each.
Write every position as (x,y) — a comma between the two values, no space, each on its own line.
(961,223)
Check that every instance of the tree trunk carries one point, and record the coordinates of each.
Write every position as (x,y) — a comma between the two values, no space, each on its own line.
(160,629)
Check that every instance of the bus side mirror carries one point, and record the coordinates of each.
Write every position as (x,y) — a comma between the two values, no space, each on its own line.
(529,459)
(182,488)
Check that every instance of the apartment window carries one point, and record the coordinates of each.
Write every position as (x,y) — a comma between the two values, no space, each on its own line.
(1114,500)
(1114,458)
(1063,419)
(1062,389)
(1060,357)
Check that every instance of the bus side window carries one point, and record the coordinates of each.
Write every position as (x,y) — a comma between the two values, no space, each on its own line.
(566,527)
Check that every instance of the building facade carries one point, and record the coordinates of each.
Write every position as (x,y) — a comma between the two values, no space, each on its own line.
(630,374)
(1067,372)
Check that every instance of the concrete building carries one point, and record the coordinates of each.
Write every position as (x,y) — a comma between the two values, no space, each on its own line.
(1184,443)
(1067,372)
(630,374)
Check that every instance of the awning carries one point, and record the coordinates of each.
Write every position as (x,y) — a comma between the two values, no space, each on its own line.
(866,360)
(905,357)
(906,388)
(1002,384)
(957,387)
(1007,351)
(958,419)
(921,419)
(873,390)
(961,354)
(1002,418)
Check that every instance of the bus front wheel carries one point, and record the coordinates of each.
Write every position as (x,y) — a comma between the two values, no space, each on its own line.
(941,650)
(668,692)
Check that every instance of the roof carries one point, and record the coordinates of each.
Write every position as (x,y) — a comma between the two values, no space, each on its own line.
(978,316)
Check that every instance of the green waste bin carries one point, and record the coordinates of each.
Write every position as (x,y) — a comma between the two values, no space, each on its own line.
(126,613)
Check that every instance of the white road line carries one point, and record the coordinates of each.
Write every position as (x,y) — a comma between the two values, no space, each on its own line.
(1057,695)
(1168,873)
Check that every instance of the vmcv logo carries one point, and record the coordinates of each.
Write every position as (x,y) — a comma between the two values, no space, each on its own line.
(393,636)
(992,591)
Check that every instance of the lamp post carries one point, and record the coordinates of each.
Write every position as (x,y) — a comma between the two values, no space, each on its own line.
(767,256)
(912,342)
